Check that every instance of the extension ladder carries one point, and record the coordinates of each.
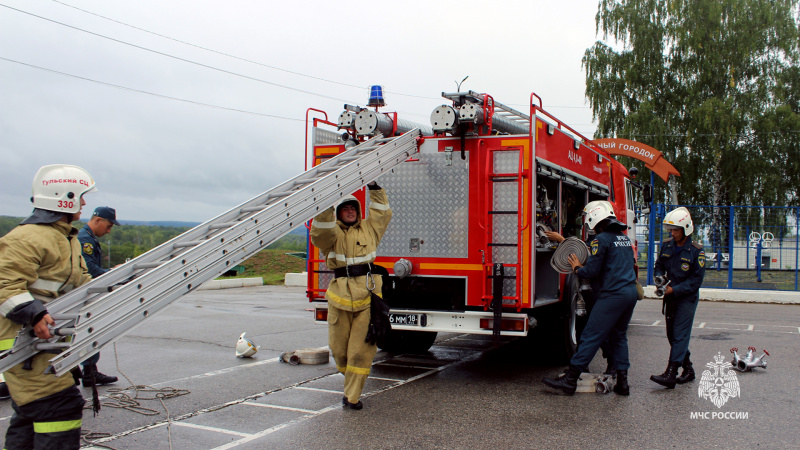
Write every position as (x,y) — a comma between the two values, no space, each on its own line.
(103,310)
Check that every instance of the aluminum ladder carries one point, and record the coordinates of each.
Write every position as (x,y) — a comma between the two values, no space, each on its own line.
(103,310)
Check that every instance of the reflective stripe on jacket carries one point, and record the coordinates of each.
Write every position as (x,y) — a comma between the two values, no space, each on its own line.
(343,245)
(41,261)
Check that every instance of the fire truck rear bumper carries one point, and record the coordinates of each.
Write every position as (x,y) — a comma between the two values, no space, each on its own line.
(472,322)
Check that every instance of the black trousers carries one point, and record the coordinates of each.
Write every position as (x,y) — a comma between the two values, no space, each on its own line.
(52,422)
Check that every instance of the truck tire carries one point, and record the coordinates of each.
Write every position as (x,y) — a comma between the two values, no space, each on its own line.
(557,333)
(568,332)
(405,341)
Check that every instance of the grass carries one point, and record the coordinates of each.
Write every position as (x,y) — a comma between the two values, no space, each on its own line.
(272,266)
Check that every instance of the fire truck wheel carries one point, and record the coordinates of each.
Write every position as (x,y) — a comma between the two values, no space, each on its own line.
(403,341)
(559,327)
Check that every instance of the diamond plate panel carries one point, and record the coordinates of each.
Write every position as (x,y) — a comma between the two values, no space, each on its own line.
(323,278)
(505,195)
(506,161)
(430,203)
(504,255)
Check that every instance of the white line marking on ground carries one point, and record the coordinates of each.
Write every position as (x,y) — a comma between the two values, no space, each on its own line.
(266,432)
(750,328)
(288,408)
(203,427)
(702,325)
(405,366)
(655,323)
(318,389)
(385,379)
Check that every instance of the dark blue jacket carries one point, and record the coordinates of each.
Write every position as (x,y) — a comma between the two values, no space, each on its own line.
(610,263)
(684,268)
(92,253)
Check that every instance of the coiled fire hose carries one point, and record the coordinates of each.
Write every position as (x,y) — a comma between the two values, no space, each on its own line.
(570,245)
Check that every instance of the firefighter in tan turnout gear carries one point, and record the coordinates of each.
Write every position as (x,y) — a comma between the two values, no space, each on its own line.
(348,244)
(39,261)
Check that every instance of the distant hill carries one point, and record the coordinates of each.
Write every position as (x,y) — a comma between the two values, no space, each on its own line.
(160,223)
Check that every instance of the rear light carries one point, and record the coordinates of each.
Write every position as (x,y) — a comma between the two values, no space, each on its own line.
(505,324)
(321,315)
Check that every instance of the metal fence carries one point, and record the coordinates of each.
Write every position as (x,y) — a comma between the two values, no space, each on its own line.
(747,247)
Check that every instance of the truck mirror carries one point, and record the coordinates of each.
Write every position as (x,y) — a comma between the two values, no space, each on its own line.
(647,193)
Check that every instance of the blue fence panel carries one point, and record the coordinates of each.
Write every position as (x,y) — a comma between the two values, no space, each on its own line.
(747,247)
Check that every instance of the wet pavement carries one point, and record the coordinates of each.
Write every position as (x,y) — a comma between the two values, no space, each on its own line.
(467,392)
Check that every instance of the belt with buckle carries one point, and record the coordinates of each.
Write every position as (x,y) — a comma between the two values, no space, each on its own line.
(355,270)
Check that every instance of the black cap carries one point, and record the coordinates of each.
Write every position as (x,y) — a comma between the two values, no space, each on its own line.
(104,212)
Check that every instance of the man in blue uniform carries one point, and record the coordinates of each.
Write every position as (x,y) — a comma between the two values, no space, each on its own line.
(103,219)
(683,262)
(611,266)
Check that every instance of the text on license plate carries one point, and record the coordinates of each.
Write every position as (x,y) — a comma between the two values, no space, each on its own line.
(404,319)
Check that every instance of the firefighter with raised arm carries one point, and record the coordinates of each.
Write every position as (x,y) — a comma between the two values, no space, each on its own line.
(39,261)
(682,261)
(611,267)
(348,244)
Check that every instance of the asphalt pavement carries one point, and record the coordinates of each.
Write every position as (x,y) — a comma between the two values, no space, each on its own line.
(467,392)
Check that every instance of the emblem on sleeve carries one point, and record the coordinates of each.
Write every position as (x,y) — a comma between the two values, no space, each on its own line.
(87,248)
(595,246)
(701,260)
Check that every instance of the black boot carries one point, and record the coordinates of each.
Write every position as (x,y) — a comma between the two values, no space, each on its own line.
(568,382)
(668,377)
(4,394)
(622,387)
(91,377)
(688,372)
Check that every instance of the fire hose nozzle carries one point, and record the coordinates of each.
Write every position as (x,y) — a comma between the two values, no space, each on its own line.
(661,290)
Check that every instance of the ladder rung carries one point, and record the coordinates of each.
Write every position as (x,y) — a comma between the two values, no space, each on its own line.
(44,346)
(301,182)
(280,194)
(64,316)
(186,244)
(503,212)
(147,265)
(99,290)
(349,158)
(492,244)
(248,209)
(327,169)
(67,331)
(217,226)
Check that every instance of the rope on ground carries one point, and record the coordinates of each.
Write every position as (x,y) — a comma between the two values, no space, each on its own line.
(121,399)
(570,245)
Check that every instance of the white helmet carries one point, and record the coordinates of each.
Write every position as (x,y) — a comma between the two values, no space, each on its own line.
(598,211)
(679,218)
(245,348)
(59,187)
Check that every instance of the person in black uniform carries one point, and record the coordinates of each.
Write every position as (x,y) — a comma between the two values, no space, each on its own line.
(611,266)
(100,224)
(683,262)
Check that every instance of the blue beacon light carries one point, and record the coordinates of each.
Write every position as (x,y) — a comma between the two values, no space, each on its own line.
(376,96)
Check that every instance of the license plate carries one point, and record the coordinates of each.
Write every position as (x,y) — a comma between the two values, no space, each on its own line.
(404,319)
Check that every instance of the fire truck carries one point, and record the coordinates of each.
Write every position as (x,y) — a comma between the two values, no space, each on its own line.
(466,250)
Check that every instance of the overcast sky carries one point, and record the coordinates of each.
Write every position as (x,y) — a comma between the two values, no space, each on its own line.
(158,158)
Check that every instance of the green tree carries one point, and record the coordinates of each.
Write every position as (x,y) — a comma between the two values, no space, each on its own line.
(714,85)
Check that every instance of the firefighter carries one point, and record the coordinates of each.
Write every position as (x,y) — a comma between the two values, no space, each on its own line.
(683,262)
(103,219)
(39,261)
(610,267)
(348,244)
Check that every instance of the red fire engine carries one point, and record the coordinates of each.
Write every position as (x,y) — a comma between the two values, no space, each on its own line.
(466,250)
